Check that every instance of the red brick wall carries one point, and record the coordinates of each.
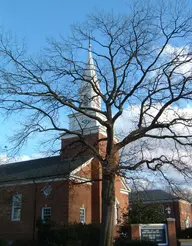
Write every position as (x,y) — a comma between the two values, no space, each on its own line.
(171,229)
(65,199)
(73,147)
(185,211)
(135,233)
(79,196)
(121,197)
(14,229)
(179,210)
(57,200)
(94,172)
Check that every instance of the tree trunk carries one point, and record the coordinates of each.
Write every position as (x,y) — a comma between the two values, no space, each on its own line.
(108,202)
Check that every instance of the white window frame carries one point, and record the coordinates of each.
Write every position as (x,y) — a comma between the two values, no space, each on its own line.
(16,207)
(43,213)
(187,222)
(116,208)
(82,219)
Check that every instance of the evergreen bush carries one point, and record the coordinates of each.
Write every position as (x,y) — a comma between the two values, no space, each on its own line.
(187,233)
(3,242)
(71,234)
(126,242)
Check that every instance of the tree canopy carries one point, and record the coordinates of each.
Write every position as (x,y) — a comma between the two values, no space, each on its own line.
(143,65)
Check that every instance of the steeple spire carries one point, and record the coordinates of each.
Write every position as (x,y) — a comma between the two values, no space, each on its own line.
(89,99)
(90,70)
(89,42)
(88,96)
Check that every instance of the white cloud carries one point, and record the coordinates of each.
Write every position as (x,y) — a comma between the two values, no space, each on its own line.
(5,159)
(152,148)
(182,57)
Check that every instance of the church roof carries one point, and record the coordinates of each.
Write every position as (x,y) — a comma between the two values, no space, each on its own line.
(40,168)
(151,195)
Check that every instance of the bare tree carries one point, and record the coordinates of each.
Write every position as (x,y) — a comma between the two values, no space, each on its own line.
(142,62)
(183,192)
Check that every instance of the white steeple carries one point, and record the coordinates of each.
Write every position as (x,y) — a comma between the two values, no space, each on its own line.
(89,89)
(89,99)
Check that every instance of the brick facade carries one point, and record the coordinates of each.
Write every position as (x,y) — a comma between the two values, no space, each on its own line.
(65,199)
(33,200)
(179,208)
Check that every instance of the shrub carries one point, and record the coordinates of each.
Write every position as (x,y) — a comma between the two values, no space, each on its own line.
(187,233)
(72,234)
(125,232)
(84,235)
(3,243)
(24,242)
(126,242)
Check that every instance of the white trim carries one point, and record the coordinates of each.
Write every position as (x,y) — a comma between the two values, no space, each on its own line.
(42,212)
(116,200)
(126,187)
(84,214)
(115,211)
(124,191)
(88,131)
(82,166)
(81,179)
(32,181)
(170,219)
(183,201)
(39,181)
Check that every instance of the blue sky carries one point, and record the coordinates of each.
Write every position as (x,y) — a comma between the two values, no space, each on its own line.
(36,20)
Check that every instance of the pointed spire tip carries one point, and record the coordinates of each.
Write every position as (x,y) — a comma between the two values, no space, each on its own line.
(89,43)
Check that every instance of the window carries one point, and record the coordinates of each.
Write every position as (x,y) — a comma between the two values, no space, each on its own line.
(116,211)
(47,190)
(187,222)
(16,207)
(82,216)
(46,214)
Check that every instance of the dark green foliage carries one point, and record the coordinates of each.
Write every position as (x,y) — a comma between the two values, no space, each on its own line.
(72,234)
(187,233)
(3,242)
(24,242)
(125,239)
(124,232)
(126,242)
(45,233)
(141,213)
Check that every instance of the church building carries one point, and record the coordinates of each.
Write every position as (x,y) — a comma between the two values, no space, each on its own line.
(64,188)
